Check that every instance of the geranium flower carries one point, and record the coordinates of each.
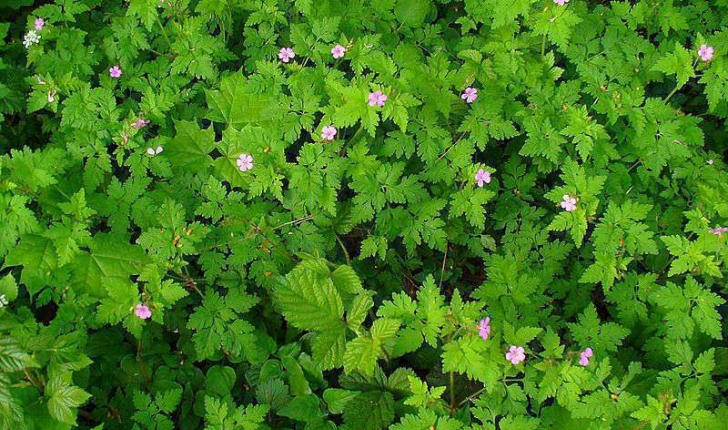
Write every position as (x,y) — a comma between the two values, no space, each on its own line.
(584,356)
(142,311)
(482,177)
(328,132)
(484,328)
(718,231)
(469,95)
(140,123)
(516,354)
(338,51)
(569,203)
(115,72)
(286,54)
(152,151)
(377,98)
(706,52)
(245,162)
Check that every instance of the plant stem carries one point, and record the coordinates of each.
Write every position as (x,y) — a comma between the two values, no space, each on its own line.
(164,32)
(672,93)
(543,45)
(471,397)
(29,376)
(453,406)
(141,361)
(343,248)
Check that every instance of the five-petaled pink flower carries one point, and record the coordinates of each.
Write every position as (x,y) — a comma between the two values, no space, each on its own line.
(482,177)
(328,132)
(140,123)
(286,54)
(718,231)
(569,203)
(706,52)
(584,356)
(115,72)
(516,354)
(142,311)
(561,2)
(469,95)
(338,51)
(245,162)
(377,98)
(484,328)
(39,23)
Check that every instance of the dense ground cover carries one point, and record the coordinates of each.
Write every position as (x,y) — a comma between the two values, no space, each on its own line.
(363,214)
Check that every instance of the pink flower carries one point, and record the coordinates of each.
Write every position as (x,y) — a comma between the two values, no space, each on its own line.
(39,23)
(377,98)
(328,132)
(584,356)
(569,203)
(115,72)
(561,2)
(286,54)
(482,177)
(142,311)
(245,162)
(140,123)
(515,354)
(706,52)
(718,231)
(338,51)
(484,328)
(469,95)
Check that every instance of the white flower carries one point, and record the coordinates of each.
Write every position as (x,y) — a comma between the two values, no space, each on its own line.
(31,38)
(152,151)
(3,301)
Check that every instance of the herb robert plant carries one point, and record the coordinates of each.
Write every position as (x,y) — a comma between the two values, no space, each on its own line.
(363,214)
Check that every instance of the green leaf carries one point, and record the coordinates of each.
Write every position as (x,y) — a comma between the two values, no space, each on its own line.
(329,346)
(63,398)
(12,357)
(146,10)
(38,258)
(9,289)
(168,400)
(361,354)
(371,410)
(220,380)
(469,202)
(110,256)
(337,399)
(359,309)
(302,408)
(653,413)
(346,280)
(309,302)
(412,13)
(191,146)
(679,63)
(237,105)
(296,378)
